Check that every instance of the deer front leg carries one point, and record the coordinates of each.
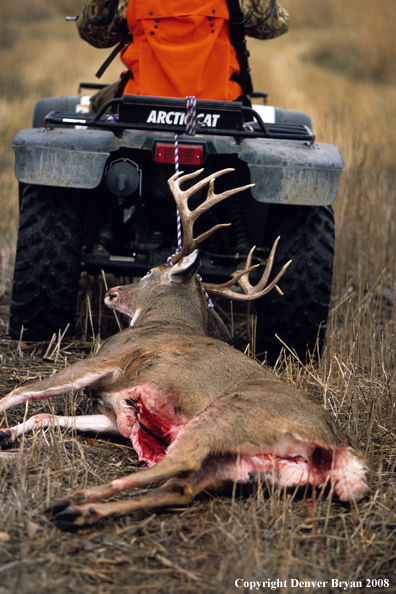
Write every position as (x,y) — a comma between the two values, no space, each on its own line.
(79,375)
(94,423)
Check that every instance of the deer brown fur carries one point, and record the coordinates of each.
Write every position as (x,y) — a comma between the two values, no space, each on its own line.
(197,411)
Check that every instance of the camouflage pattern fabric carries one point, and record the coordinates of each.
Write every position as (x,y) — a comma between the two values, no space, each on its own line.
(103,22)
(264,19)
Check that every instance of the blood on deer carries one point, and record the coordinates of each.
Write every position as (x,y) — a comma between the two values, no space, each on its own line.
(198,412)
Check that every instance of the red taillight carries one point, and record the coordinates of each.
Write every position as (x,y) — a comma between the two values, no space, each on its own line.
(189,154)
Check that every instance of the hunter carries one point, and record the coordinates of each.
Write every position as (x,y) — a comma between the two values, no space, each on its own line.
(173,48)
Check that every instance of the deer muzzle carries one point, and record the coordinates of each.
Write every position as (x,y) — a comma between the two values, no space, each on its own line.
(113,297)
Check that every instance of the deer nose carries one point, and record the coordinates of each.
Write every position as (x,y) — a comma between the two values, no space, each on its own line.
(112,296)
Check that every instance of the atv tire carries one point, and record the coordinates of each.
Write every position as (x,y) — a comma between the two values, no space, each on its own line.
(48,262)
(299,317)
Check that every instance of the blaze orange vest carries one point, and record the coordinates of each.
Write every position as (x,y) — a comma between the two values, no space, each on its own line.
(174,54)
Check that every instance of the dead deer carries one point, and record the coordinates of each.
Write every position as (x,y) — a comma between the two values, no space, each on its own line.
(198,412)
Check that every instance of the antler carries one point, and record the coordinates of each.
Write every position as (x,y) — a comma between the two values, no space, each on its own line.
(242,278)
(189,217)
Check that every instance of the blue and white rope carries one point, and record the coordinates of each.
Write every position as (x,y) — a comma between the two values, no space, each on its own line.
(178,219)
(191,110)
(191,113)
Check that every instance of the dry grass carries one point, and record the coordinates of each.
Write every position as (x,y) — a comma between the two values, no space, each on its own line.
(338,65)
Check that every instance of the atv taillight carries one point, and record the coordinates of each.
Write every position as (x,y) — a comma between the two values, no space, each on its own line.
(189,154)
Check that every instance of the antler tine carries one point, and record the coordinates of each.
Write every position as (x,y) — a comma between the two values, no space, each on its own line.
(189,217)
(223,289)
(244,281)
(242,278)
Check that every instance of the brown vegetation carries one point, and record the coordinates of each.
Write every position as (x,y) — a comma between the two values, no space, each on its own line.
(337,64)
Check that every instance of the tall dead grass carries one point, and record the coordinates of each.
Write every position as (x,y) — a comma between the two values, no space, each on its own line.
(360,41)
(336,64)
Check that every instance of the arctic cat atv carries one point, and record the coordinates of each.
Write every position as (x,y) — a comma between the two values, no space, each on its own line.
(94,196)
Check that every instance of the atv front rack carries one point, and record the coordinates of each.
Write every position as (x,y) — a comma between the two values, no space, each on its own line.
(162,114)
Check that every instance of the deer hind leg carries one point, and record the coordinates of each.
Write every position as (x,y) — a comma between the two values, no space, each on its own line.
(207,436)
(167,468)
(214,472)
(174,492)
(95,423)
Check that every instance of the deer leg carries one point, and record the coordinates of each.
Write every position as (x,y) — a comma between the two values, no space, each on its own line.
(77,376)
(95,423)
(164,469)
(174,492)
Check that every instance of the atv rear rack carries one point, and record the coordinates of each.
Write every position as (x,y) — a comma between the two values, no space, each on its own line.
(160,114)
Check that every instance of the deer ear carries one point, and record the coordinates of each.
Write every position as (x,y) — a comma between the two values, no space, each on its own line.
(186,268)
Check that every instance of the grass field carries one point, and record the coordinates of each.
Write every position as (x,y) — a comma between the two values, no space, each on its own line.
(337,63)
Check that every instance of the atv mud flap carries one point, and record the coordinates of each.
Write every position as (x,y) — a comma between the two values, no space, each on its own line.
(64,158)
(292,172)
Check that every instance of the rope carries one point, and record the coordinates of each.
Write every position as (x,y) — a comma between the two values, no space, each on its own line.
(191,113)
(191,110)
(178,219)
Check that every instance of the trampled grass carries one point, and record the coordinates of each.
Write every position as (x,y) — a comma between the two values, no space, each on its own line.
(337,64)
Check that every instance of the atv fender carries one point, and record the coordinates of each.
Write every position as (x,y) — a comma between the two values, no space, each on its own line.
(62,157)
(292,172)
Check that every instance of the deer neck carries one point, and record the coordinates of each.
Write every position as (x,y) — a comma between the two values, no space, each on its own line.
(179,305)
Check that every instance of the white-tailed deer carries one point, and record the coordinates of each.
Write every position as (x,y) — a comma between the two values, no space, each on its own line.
(197,411)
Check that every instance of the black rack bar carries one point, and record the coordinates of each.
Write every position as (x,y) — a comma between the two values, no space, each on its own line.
(260,129)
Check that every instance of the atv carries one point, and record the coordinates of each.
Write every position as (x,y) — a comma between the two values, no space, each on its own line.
(94,196)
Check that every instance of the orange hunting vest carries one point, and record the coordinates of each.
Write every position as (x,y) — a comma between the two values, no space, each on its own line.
(174,54)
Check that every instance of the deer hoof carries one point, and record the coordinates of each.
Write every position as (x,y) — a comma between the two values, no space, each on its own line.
(74,518)
(66,520)
(5,438)
(55,508)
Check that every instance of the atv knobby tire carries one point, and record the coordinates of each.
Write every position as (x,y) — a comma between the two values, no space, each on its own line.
(48,262)
(299,317)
